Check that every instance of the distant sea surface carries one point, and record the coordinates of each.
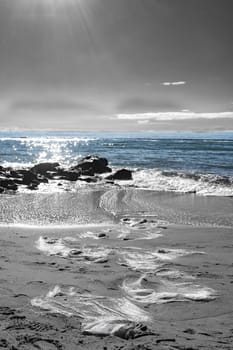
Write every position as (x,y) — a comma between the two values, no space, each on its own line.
(180,161)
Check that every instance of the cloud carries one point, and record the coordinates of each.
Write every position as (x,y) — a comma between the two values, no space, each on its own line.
(143,122)
(167,116)
(50,105)
(138,104)
(173,83)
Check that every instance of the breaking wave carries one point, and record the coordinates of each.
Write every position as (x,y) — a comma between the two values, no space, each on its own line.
(173,181)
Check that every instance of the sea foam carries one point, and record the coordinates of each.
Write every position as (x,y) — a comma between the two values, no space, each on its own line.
(68,248)
(173,181)
(164,291)
(148,260)
(100,315)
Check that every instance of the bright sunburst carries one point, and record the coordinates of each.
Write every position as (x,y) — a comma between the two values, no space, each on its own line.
(47,7)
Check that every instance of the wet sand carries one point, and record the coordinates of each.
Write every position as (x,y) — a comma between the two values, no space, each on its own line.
(28,272)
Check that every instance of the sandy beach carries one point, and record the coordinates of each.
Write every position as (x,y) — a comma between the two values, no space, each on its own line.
(116,175)
(29,271)
(102,263)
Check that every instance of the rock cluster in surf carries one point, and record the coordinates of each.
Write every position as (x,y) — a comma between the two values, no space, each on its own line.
(88,169)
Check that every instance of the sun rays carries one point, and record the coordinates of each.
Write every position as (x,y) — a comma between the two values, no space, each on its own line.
(49,8)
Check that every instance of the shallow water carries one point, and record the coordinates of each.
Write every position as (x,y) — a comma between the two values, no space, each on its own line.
(91,206)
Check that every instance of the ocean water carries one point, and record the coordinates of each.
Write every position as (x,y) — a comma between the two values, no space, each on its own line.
(205,153)
(179,167)
(180,162)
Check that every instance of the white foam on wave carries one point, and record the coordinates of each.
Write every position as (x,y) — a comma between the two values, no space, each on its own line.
(100,315)
(68,248)
(165,291)
(155,180)
(48,139)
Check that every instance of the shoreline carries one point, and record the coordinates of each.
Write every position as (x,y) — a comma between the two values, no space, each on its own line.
(109,205)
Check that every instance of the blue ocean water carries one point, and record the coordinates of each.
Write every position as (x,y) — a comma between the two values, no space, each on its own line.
(206,153)
(169,171)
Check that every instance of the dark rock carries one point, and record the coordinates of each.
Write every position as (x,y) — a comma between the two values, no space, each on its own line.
(102,235)
(88,172)
(162,251)
(91,165)
(18,181)
(1,189)
(42,179)
(68,175)
(75,252)
(89,179)
(44,168)
(132,331)
(15,174)
(33,186)
(28,177)
(189,331)
(122,174)
(8,184)
(50,174)
(101,260)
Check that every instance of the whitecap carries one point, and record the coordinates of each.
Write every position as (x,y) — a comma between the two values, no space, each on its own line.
(201,184)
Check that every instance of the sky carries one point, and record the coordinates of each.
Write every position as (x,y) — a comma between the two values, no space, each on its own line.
(116,65)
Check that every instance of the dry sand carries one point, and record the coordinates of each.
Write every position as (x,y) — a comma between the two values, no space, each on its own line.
(26,273)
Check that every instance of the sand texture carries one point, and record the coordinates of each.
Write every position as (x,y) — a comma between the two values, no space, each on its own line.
(180,285)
